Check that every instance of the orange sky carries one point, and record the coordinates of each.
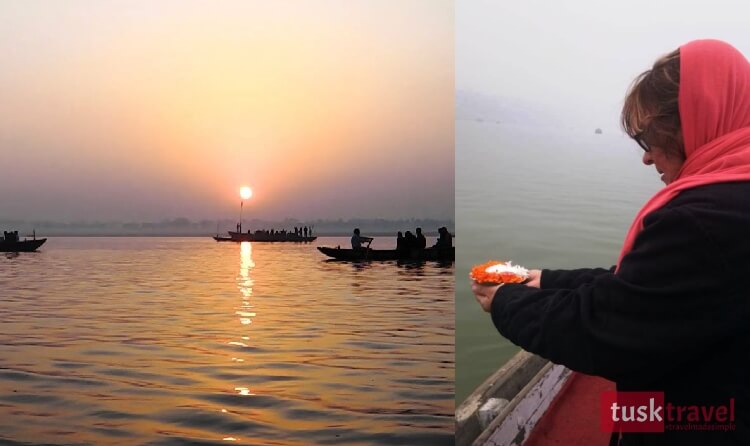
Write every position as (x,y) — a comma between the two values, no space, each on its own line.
(127,110)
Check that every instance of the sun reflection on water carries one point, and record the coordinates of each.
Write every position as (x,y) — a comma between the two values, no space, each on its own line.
(245,285)
(243,391)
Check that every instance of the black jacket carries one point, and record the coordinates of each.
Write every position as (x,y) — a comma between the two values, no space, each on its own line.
(675,318)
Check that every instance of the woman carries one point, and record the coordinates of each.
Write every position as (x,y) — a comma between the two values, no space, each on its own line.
(674,314)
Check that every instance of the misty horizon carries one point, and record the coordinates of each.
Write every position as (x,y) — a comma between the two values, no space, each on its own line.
(187,227)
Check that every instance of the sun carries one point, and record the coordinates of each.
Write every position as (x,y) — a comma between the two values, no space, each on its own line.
(246,192)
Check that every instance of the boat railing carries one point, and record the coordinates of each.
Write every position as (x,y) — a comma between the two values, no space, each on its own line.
(504,409)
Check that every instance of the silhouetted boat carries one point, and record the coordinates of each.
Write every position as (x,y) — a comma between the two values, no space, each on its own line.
(264,237)
(11,243)
(357,255)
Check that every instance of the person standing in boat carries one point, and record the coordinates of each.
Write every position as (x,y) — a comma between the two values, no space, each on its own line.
(400,244)
(672,315)
(410,241)
(358,240)
(421,242)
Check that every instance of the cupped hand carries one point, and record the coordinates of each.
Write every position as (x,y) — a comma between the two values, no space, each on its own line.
(484,294)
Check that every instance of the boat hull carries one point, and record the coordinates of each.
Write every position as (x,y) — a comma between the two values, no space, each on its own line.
(251,237)
(358,255)
(21,245)
(533,402)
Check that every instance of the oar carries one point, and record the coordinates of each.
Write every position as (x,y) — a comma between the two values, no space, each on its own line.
(367,253)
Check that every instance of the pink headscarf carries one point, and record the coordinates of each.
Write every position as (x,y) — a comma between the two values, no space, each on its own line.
(715,116)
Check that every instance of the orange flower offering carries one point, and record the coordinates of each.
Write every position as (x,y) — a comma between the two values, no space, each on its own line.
(494,272)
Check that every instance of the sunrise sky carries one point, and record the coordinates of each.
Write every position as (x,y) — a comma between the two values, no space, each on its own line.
(140,110)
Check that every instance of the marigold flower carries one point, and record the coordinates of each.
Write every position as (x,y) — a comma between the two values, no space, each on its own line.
(495,272)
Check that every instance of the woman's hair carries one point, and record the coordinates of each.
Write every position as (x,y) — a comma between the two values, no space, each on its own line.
(651,111)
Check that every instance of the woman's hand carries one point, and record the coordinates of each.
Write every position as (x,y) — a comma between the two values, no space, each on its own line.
(484,294)
(535,278)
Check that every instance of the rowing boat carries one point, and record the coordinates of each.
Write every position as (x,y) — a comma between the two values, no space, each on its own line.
(366,254)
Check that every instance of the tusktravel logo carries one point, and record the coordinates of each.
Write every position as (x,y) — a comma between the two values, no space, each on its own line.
(647,412)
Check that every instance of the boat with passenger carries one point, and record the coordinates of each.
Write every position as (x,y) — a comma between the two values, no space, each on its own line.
(11,242)
(367,254)
(265,236)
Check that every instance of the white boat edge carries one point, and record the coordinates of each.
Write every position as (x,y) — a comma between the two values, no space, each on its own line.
(504,410)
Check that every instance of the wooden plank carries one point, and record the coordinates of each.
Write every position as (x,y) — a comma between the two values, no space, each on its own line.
(505,383)
(515,423)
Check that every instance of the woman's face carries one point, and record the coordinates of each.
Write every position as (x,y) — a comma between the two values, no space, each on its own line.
(668,166)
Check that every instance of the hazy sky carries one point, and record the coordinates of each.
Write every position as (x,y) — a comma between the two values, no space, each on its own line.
(578,58)
(141,110)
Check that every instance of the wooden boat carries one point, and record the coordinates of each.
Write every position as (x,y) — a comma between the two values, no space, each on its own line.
(11,243)
(264,237)
(530,401)
(366,254)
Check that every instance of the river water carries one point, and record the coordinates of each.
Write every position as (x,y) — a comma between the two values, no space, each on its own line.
(543,198)
(172,341)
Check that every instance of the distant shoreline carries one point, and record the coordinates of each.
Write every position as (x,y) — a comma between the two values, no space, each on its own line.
(183,227)
(172,235)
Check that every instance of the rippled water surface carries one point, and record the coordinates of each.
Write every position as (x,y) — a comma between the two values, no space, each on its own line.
(543,199)
(171,341)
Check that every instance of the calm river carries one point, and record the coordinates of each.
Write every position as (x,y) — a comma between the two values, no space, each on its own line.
(174,341)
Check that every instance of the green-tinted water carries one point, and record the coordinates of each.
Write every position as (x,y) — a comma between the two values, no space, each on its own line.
(543,199)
